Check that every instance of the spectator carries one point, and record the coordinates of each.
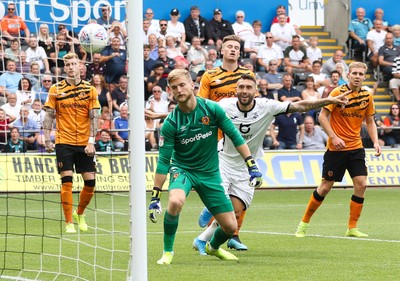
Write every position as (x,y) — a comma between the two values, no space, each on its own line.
(339,67)
(34,76)
(392,126)
(60,49)
(104,144)
(29,129)
(158,79)
(310,93)
(114,60)
(84,74)
(386,55)
(120,94)
(358,29)
(43,92)
(283,32)
(153,46)
(213,56)
(268,52)
(287,124)
(37,54)
(379,16)
(329,65)
(176,28)
(13,26)
(104,120)
(156,103)
(220,27)
(95,67)
(295,57)
(22,66)
(207,66)
(396,35)
(5,122)
(375,40)
(314,137)
(320,79)
(11,108)
(394,83)
(165,60)
(9,80)
(147,31)
(334,82)
(120,123)
(254,42)
(25,95)
(197,26)
(37,114)
(196,55)
(280,10)
(105,20)
(273,78)
(14,52)
(162,33)
(303,41)
(150,138)
(154,23)
(116,31)
(15,144)
(149,63)
(263,90)
(242,28)
(174,50)
(313,52)
(287,92)
(44,39)
(101,87)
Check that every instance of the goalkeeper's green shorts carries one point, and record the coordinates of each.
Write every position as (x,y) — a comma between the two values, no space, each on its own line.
(208,186)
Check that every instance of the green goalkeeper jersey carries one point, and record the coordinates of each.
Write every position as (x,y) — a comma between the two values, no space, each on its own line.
(189,141)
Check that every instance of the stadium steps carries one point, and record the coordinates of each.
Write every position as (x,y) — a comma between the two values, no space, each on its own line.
(328,45)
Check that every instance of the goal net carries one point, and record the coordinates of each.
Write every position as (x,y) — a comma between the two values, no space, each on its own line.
(33,241)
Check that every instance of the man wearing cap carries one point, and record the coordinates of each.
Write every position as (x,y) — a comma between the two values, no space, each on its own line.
(197,26)
(176,28)
(220,27)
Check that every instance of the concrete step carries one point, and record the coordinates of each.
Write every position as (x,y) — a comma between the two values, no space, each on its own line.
(320,34)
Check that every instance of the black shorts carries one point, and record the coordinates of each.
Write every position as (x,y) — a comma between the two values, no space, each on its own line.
(70,156)
(337,162)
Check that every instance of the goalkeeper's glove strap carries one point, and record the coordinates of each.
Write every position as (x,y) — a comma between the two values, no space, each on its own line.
(156,193)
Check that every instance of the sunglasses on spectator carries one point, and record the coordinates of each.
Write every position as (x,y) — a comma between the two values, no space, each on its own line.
(273,64)
(269,37)
(104,10)
(163,24)
(46,80)
(11,9)
(149,13)
(239,16)
(156,91)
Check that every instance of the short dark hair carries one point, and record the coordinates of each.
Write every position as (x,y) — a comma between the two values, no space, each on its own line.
(248,77)
(317,62)
(295,36)
(335,71)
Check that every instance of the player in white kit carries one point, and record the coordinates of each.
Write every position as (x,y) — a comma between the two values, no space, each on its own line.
(252,116)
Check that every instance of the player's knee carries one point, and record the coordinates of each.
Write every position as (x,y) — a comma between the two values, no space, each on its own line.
(229,227)
(175,205)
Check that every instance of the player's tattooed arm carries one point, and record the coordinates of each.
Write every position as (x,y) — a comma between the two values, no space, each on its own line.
(306,105)
(93,115)
(48,122)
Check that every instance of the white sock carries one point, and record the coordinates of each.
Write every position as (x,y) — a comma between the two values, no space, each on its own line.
(208,233)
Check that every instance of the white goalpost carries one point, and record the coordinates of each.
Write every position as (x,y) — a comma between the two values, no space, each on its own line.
(33,242)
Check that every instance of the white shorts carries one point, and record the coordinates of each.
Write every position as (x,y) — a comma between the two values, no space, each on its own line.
(236,181)
(394,83)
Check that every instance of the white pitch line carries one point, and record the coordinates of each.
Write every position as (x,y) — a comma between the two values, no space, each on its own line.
(15,278)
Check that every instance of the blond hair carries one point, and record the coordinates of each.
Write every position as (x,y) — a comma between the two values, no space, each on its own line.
(71,56)
(357,64)
(176,73)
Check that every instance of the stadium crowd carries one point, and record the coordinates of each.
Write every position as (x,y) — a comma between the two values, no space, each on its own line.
(286,65)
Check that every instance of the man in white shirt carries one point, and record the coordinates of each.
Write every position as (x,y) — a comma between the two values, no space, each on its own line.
(241,28)
(37,54)
(375,40)
(283,32)
(268,52)
(254,42)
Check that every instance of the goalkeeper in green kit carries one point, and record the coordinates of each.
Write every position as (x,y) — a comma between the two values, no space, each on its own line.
(188,151)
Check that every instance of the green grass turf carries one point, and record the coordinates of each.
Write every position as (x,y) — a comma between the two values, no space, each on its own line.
(274,253)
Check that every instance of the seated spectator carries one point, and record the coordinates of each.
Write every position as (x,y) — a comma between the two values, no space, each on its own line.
(25,95)
(379,16)
(339,67)
(149,63)
(15,144)
(116,31)
(44,39)
(37,54)
(154,23)
(313,52)
(173,50)
(303,41)
(11,108)
(105,19)
(43,91)
(34,76)
(320,79)
(158,79)
(280,10)
(375,40)
(392,126)
(14,52)
(386,55)
(220,27)
(314,137)
(329,65)
(104,144)
(114,60)
(23,66)
(176,28)
(213,56)
(295,57)
(283,32)
(120,123)
(37,113)
(273,78)
(153,43)
(104,120)
(156,103)
(263,90)
(310,93)
(254,42)
(57,52)
(13,26)
(164,59)
(196,56)
(334,82)
(101,87)
(9,79)
(84,74)
(197,26)
(396,35)
(162,32)
(5,125)
(120,95)
(29,129)
(147,31)
(95,67)
(287,124)
(242,28)
(287,92)
(207,66)
(358,29)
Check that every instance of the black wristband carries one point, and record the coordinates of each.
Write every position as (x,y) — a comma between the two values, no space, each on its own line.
(156,192)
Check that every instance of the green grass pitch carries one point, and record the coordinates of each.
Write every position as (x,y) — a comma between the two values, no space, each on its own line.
(274,253)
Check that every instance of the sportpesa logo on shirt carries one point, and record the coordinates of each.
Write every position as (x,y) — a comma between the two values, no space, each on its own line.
(72,105)
(197,137)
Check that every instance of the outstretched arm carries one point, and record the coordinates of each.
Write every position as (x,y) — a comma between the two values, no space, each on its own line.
(307,105)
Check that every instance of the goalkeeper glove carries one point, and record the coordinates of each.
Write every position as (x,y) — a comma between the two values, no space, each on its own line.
(255,174)
(155,204)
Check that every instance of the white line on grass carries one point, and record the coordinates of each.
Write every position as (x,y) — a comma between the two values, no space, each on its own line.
(15,278)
